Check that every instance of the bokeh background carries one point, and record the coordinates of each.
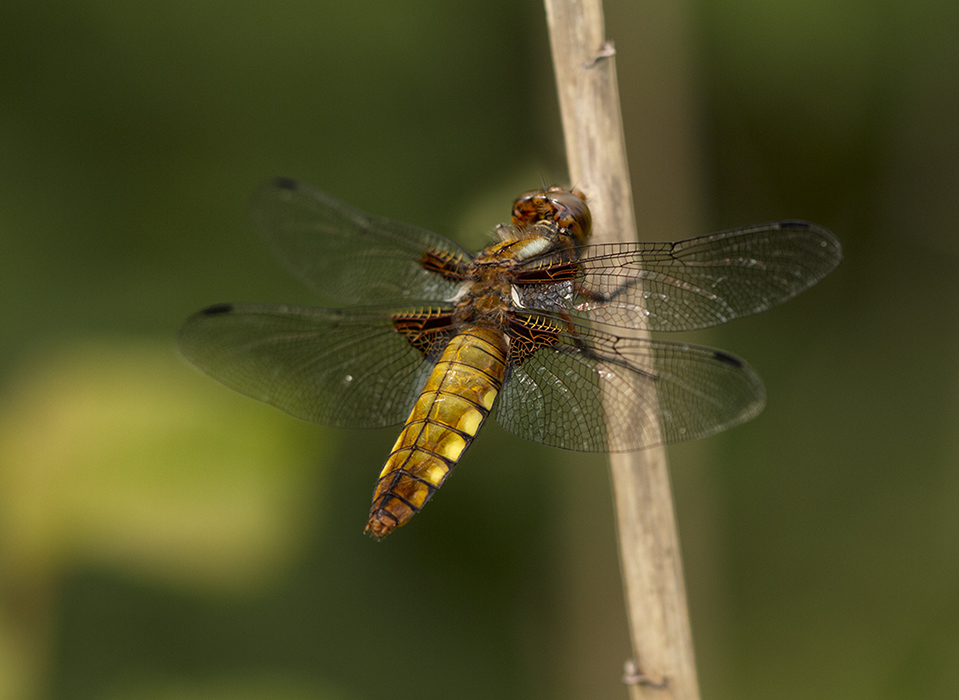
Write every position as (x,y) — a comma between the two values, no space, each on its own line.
(162,537)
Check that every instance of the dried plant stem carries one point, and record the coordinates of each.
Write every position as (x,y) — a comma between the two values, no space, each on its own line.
(649,546)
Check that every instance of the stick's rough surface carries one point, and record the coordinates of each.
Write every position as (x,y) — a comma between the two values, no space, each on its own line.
(649,546)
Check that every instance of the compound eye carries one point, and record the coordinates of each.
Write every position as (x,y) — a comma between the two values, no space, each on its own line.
(528,208)
(565,207)
(570,211)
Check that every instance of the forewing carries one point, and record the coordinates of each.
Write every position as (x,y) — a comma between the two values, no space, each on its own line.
(594,392)
(703,281)
(351,258)
(348,369)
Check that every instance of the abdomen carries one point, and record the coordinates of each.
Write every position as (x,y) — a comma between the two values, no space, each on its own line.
(454,403)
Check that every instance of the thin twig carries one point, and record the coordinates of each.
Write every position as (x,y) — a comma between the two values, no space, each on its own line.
(663,666)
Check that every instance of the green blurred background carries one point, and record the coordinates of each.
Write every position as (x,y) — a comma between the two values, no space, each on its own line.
(161,537)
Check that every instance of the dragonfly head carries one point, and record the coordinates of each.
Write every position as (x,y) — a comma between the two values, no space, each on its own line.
(567,208)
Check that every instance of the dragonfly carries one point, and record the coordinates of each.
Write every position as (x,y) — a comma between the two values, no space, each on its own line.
(541,329)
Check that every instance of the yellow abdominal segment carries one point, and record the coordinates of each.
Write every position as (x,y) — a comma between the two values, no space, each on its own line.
(454,403)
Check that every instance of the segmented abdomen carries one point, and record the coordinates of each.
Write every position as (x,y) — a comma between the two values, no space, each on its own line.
(454,403)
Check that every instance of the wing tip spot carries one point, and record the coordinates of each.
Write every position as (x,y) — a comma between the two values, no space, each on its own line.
(217,309)
(286,183)
(728,359)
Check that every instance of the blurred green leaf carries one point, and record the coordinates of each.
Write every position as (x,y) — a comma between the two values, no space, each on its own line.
(115,452)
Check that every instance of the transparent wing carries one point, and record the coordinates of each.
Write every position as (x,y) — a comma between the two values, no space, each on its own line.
(657,392)
(702,281)
(344,369)
(349,257)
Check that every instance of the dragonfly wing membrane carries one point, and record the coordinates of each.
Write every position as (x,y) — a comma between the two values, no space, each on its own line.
(704,281)
(351,258)
(343,369)
(595,392)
